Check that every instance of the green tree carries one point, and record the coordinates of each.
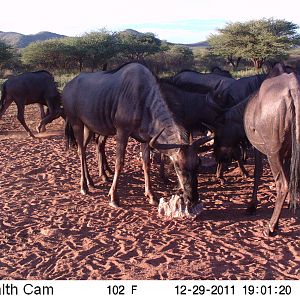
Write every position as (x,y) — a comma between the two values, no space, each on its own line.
(76,52)
(49,54)
(92,50)
(205,61)
(136,46)
(100,46)
(255,41)
(179,57)
(6,53)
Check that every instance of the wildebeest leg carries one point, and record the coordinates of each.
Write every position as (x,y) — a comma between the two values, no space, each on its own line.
(87,135)
(162,171)
(52,115)
(43,114)
(281,190)
(102,162)
(122,140)
(242,169)
(5,106)
(78,130)
(219,173)
(21,119)
(146,167)
(105,162)
(258,169)
(191,138)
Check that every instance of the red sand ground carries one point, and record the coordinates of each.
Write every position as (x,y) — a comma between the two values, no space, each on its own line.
(50,231)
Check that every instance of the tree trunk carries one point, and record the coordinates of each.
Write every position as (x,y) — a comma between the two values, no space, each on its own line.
(257,63)
(104,66)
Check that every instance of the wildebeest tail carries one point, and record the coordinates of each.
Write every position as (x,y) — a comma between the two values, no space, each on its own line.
(3,95)
(69,136)
(294,185)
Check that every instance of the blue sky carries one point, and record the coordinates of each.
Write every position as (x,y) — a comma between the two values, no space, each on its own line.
(181,21)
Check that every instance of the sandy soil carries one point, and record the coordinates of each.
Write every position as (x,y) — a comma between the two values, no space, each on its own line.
(50,231)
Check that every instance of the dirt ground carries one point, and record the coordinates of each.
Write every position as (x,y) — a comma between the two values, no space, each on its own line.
(50,231)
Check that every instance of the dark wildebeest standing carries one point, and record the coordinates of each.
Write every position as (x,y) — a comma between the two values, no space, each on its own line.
(272,125)
(230,139)
(241,88)
(128,102)
(214,81)
(28,88)
(190,109)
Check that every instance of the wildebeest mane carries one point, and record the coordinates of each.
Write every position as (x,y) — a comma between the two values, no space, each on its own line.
(173,104)
(43,71)
(125,64)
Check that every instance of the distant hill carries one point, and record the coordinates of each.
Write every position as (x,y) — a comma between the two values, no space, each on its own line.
(131,31)
(203,44)
(19,40)
(196,45)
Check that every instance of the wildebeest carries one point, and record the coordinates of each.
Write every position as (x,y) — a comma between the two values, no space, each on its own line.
(272,125)
(230,139)
(230,136)
(190,110)
(191,106)
(28,88)
(240,89)
(128,102)
(210,80)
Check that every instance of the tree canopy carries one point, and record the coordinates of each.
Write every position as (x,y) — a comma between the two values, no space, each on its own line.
(255,41)
(6,53)
(136,45)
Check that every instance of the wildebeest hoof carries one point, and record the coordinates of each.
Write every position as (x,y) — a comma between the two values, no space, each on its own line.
(109,171)
(104,178)
(222,181)
(245,175)
(91,183)
(41,128)
(84,191)
(268,233)
(115,203)
(153,201)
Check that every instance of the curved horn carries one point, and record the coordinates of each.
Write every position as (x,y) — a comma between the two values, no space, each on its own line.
(202,140)
(154,144)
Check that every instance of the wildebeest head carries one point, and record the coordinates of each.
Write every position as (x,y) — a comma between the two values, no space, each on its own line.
(186,162)
(227,141)
(222,96)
